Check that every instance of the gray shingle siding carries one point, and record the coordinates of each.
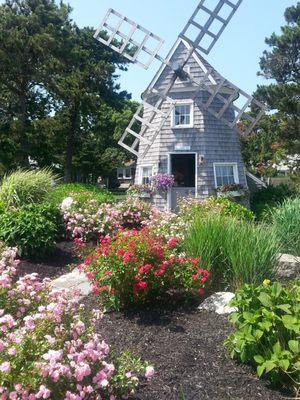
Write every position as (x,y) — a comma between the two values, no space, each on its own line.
(209,137)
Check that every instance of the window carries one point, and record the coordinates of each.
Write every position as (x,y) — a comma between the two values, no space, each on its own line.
(226,174)
(187,69)
(146,173)
(183,115)
(124,173)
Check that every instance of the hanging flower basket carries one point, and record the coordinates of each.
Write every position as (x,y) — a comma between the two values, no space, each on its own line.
(161,182)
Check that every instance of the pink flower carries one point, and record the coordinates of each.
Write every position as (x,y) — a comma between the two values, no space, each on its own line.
(145,268)
(5,367)
(172,243)
(149,373)
(43,393)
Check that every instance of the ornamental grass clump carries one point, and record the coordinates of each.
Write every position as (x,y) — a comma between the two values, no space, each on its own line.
(267,331)
(236,252)
(136,267)
(286,222)
(48,348)
(24,187)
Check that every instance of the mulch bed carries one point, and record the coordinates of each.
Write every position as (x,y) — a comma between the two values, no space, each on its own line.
(54,265)
(186,348)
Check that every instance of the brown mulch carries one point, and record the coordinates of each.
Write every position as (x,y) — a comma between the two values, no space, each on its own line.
(53,266)
(186,348)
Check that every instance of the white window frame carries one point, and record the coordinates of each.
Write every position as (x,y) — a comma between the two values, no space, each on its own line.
(186,102)
(124,177)
(141,172)
(225,164)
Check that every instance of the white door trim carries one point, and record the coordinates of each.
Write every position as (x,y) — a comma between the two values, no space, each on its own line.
(169,172)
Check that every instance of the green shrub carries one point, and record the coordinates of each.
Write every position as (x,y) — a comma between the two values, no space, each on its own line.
(269,197)
(81,193)
(286,222)
(26,187)
(135,267)
(33,229)
(191,207)
(236,252)
(267,325)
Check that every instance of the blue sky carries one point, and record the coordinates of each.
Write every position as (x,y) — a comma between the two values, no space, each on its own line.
(236,54)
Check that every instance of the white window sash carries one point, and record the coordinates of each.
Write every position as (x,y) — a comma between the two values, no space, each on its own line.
(179,103)
(235,172)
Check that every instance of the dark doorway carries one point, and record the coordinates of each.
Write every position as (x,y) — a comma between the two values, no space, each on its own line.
(183,168)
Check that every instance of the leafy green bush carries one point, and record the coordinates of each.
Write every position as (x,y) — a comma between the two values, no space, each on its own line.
(26,187)
(269,197)
(81,193)
(267,325)
(135,267)
(236,252)
(33,229)
(190,207)
(286,222)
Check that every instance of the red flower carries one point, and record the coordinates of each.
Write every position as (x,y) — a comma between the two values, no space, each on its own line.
(107,273)
(160,272)
(139,287)
(127,257)
(172,243)
(89,275)
(200,291)
(145,268)
(195,261)
(195,277)
(103,289)
(120,252)
(88,260)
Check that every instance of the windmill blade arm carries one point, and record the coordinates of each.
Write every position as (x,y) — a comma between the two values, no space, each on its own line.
(206,25)
(129,39)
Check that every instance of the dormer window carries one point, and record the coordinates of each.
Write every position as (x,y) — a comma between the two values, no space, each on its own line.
(183,114)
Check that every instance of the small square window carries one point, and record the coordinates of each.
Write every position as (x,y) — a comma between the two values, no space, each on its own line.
(146,174)
(226,174)
(183,115)
(128,174)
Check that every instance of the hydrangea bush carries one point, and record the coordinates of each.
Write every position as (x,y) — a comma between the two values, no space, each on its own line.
(48,348)
(136,266)
(93,221)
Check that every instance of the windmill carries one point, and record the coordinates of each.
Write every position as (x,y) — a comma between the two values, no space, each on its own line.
(201,33)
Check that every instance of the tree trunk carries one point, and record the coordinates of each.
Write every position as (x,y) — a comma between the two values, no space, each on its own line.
(71,143)
(24,145)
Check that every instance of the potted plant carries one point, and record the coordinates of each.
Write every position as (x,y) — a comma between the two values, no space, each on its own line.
(142,191)
(161,182)
(232,190)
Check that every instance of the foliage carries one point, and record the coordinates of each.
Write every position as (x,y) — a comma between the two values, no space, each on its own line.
(91,221)
(139,190)
(267,332)
(278,133)
(81,193)
(191,207)
(166,224)
(48,347)
(271,196)
(236,252)
(286,222)
(33,229)
(51,112)
(26,186)
(135,267)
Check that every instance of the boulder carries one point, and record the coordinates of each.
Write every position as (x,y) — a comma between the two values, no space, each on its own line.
(218,303)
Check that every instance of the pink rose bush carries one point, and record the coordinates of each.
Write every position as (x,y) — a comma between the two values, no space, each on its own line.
(93,221)
(134,267)
(166,224)
(48,348)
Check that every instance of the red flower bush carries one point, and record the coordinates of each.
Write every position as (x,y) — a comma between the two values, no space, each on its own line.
(136,266)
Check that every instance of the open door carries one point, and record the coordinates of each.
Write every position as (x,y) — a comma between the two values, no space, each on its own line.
(183,167)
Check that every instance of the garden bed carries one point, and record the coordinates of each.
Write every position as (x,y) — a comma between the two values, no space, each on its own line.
(54,265)
(186,348)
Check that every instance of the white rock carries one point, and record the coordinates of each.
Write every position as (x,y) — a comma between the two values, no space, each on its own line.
(218,303)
